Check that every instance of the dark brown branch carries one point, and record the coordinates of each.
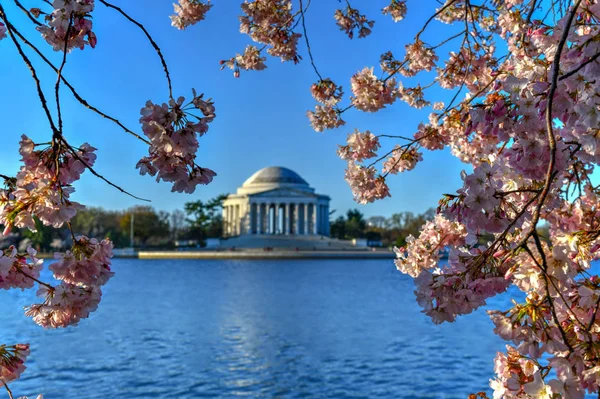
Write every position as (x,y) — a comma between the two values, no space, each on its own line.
(92,171)
(580,67)
(544,268)
(152,42)
(10,394)
(11,29)
(34,279)
(310,55)
(26,11)
(59,74)
(549,130)
(75,94)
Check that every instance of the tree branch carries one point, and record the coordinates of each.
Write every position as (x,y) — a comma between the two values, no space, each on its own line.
(152,42)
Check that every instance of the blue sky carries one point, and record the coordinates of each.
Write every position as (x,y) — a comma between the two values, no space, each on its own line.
(261,117)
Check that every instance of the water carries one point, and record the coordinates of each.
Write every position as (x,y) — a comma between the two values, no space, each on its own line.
(271,329)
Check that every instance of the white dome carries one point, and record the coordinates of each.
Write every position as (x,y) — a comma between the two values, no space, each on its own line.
(274,177)
(275,174)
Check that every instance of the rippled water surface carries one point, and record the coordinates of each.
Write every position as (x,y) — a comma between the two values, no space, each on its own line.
(273,329)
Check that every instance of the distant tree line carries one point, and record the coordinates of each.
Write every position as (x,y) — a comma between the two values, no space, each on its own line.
(151,228)
(390,231)
(197,222)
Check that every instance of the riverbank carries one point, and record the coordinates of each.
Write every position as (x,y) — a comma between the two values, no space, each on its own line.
(249,254)
(274,254)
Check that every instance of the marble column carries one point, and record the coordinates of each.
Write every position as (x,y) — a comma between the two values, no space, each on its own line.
(296,220)
(258,218)
(237,219)
(288,219)
(305,218)
(315,219)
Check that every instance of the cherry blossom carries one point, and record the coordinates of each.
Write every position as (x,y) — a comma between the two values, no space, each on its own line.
(325,117)
(172,129)
(350,19)
(251,60)
(2,31)
(327,92)
(365,184)
(189,12)
(370,93)
(72,18)
(360,146)
(396,9)
(269,22)
(12,362)
(42,190)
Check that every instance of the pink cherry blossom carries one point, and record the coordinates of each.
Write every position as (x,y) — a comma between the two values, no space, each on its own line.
(72,17)
(325,117)
(189,12)
(396,9)
(370,93)
(350,19)
(173,129)
(360,146)
(12,362)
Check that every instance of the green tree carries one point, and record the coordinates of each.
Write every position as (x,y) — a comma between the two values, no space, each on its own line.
(355,224)
(205,218)
(101,223)
(338,228)
(150,227)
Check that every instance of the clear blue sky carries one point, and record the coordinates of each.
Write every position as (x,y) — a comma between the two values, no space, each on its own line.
(260,120)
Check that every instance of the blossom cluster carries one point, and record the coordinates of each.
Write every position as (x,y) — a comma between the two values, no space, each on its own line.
(19,271)
(270,22)
(396,9)
(189,12)
(402,159)
(325,117)
(366,185)
(12,362)
(350,19)
(173,132)
(327,92)
(82,271)
(69,24)
(360,146)
(2,31)
(43,185)
(251,60)
(370,94)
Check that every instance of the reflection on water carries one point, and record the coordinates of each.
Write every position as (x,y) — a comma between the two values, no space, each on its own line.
(274,329)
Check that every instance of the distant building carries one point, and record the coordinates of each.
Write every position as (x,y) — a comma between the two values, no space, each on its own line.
(276,201)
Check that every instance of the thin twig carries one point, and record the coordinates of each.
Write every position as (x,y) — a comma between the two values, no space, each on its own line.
(152,42)
(10,394)
(549,130)
(26,11)
(75,94)
(580,67)
(34,279)
(59,74)
(10,29)
(70,149)
(310,55)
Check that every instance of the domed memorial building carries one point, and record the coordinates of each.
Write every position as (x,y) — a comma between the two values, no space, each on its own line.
(276,201)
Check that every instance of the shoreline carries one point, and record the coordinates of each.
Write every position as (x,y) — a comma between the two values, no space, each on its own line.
(248,254)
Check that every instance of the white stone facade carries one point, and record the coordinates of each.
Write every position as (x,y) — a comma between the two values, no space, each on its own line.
(275,200)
